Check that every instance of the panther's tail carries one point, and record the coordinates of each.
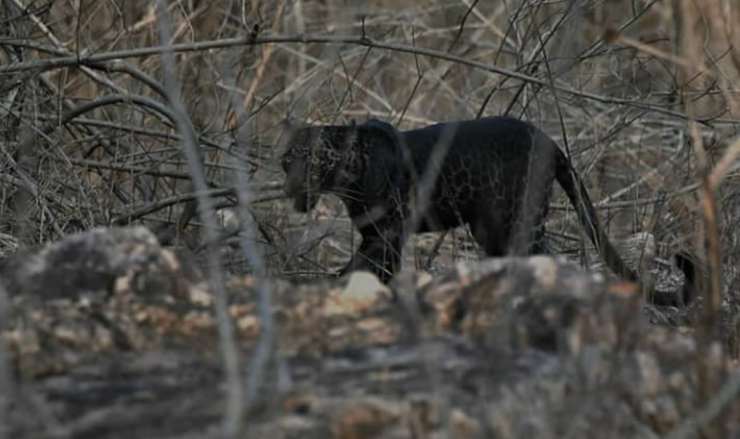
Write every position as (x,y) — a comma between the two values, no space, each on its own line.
(576,191)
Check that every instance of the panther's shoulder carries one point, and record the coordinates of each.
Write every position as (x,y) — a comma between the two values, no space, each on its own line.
(380,125)
(377,127)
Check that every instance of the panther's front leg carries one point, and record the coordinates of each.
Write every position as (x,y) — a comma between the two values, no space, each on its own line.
(379,253)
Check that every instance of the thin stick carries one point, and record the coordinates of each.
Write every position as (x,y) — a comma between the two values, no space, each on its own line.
(232,419)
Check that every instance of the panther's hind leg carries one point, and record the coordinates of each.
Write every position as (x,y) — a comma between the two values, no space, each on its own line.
(500,234)
(538,245)
(491,232)
(527,237)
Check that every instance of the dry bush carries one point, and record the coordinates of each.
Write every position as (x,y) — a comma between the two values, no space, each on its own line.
(615,83)
(640,93)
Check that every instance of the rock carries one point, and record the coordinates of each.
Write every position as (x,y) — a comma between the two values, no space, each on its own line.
(111,332)
(90,263)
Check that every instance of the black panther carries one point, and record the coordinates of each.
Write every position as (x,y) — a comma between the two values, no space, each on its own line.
(493,174)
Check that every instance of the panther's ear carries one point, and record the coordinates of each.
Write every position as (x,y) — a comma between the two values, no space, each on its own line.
(384,169)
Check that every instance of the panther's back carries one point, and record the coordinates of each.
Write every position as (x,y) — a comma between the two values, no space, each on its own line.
(486,166)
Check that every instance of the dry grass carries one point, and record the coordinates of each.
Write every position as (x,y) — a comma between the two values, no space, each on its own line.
(640,93)
(619,105)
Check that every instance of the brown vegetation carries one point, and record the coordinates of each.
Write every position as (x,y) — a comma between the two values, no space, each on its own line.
(172,114)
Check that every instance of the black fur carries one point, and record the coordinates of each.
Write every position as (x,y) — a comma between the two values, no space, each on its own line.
(496,176)
(690,289)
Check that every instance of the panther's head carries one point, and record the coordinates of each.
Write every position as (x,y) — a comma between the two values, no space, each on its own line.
(357,162)
(318,159)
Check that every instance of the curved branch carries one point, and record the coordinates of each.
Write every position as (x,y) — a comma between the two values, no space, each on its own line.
(117,99)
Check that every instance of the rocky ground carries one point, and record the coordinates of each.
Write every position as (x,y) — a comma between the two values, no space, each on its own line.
(109,335)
